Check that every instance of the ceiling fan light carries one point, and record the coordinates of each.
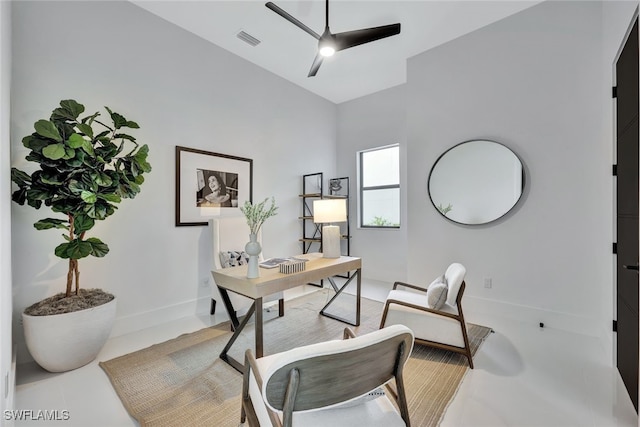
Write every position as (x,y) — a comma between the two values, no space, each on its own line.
(327,50)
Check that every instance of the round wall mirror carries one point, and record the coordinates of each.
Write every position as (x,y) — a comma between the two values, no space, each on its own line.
(476,182)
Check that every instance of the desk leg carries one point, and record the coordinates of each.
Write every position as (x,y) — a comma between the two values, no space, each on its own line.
(227,304)
(259,341)
(223,355)
(237,327)
(339,291)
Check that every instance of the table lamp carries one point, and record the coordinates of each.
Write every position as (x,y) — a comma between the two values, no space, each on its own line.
(327,211)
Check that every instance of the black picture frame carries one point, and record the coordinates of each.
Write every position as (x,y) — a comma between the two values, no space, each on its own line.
(197,172)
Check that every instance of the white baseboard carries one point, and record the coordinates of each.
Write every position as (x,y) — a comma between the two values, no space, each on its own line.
(481,307)
(139,321)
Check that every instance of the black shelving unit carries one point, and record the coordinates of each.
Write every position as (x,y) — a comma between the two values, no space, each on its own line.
(312,189)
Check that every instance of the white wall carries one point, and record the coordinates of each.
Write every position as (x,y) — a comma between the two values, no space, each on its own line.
(182,91)
(550,259)
(368,122)
(535,82)
(7,372)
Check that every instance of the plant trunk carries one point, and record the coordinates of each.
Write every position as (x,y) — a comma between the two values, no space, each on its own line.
(73,275)
(73,272)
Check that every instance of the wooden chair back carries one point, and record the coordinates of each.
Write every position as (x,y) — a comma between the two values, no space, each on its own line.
(340,372)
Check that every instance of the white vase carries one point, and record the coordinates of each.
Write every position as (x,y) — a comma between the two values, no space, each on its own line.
(62,342)
(253,249)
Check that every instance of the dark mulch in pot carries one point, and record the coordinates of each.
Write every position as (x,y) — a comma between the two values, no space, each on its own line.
(59,304)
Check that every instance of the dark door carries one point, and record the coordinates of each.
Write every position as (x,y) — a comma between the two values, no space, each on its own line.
(627,213)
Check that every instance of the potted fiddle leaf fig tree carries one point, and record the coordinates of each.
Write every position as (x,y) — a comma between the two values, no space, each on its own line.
(86,167)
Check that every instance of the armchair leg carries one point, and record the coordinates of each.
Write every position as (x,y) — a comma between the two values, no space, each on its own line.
(467,346)
(281,307)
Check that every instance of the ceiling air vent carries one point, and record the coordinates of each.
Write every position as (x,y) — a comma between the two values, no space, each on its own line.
(247,38)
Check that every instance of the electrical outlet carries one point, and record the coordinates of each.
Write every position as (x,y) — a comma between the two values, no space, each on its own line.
(487,282)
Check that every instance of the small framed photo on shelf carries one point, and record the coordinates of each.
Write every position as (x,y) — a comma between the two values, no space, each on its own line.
(210,184)
(339,186)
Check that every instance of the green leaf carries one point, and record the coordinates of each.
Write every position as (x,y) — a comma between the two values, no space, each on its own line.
(76,186)
(88,196)
(75,249)
(62,250)
(88,148)
(103,180)
(118,120)
(22,179)
(75,141)
(132,125)
(98,248)
(141,158)
(69,110)
(72,107)
(50,178)
(77,161)
(123,136)
(102,134)
(88,182)
(19,196)
(86,129)
(111,197)
(128,190)
(48,223)
(48,130)
(35,143)
(38,193)
(54,151)
(64,205)
(69,153)
(82,223)
(34,203)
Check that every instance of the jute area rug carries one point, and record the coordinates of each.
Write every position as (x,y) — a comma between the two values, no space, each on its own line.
(182,382)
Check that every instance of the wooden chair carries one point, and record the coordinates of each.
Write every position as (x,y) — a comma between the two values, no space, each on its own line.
(334,383)
(442,328)
(231,233)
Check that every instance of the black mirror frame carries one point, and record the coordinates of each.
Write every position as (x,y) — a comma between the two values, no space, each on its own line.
(466,142)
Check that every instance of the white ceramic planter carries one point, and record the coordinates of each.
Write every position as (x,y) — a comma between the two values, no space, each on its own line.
(63,342)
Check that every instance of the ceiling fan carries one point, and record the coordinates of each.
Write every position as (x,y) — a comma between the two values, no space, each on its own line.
(329,43)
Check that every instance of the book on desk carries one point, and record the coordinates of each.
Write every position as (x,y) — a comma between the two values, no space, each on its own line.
(275,262)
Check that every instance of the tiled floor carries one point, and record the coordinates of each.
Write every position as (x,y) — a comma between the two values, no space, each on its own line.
(523,376)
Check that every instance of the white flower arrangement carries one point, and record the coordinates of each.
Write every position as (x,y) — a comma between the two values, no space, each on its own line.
(256,214)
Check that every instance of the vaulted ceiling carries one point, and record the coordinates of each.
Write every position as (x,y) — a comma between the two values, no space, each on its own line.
(288,51)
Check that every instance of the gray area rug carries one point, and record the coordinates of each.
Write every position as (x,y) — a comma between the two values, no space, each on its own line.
(182,382)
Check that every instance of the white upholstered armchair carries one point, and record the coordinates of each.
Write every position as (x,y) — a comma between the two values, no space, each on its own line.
(433,314)
(229,235)
(334,383)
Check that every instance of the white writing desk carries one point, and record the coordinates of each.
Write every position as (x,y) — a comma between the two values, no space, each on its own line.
(234,279)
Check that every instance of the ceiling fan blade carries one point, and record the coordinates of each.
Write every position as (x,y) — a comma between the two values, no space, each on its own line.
(349,39)
(317,62)
(291,19)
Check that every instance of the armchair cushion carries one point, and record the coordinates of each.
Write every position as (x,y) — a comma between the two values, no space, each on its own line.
(233,258)
(437,295)
(455,276)
(426,326)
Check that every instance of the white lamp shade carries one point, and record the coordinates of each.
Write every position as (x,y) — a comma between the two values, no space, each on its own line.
(329,210)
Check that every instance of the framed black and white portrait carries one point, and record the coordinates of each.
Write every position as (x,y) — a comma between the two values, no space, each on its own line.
(210,184)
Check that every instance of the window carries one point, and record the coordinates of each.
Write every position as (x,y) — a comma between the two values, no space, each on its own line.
(379,187)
